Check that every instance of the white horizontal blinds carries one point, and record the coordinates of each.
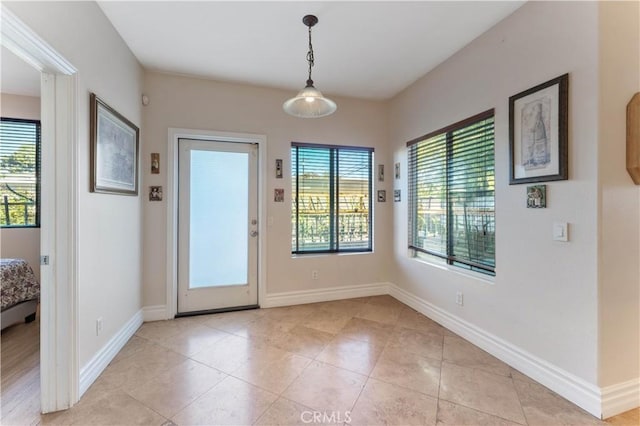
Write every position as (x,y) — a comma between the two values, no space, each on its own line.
(331,207)
(19,172)
(354,199)
(451,193)
(428,195)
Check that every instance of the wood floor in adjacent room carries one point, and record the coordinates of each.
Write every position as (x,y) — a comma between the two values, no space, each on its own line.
(369,360)
(20,371)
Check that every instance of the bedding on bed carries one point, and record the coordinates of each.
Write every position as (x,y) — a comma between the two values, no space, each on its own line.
(19,284)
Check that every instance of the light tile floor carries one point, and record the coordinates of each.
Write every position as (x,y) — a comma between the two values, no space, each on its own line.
(366,361)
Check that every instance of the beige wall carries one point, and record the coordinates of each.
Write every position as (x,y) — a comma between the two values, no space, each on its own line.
(619,232)
(23,243)
(181,102)
(544,296)
(109,226)
(17,106)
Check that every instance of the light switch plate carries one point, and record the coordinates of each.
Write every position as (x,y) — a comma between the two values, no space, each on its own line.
(560,231)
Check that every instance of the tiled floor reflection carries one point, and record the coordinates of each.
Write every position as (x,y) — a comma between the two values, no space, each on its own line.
(365,361)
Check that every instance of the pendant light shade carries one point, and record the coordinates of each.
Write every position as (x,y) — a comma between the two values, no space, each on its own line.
(309,102)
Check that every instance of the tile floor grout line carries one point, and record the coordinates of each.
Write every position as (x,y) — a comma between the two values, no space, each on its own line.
(196,399)
(189,403)
(515,388)
(483,412)
(440,378)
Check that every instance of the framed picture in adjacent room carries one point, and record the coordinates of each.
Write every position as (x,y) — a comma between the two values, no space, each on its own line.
(538,132)
(114,150)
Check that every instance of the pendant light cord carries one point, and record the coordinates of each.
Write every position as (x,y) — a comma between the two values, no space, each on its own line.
(310,59)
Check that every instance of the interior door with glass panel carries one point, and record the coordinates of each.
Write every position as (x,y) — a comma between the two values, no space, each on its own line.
(217,225)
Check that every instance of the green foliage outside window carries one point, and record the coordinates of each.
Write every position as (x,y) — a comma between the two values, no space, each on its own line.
(19,173)
(451,194)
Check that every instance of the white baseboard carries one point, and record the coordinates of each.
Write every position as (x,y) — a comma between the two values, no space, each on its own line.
(154,313)
(619,398)
(90,372)
(273,300)
(571,387)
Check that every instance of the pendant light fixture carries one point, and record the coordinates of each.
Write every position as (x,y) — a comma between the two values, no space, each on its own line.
(309,102)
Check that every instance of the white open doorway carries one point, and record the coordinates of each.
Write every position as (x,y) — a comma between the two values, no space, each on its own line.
(59,369)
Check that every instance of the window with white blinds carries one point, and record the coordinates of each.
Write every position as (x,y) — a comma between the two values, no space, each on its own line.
(331,198)
(19,173)
(451,197)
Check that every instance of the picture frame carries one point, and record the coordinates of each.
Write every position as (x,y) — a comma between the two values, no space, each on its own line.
(278,195)
(382,196)
(279,168)
(114,145)
(155,193)
(396,195)
(397,170)
(538,133)
(537,197)
(380,172)
(155,163)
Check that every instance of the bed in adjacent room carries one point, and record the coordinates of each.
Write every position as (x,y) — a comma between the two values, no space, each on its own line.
(20,292)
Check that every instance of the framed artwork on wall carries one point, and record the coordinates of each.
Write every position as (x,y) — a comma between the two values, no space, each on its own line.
(114,150)
(537,196)
(538,133)
(155,163)
(155,193)
(278,195)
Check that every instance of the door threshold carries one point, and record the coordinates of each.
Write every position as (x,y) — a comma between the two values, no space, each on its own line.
(216,311)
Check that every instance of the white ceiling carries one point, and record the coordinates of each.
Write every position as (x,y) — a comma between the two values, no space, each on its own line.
(18,77)
(370,50)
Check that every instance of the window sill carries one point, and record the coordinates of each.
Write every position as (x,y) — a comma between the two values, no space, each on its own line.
(4,228)
(346,253)
(442,265)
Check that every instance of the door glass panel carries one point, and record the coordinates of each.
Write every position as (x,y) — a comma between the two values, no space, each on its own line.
(218,234)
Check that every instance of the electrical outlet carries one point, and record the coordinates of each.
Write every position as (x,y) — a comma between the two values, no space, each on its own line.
(98,326)
(314,275)
(459,298)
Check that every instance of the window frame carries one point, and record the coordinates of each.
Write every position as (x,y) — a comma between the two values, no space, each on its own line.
(447,134)
(334,199)
(38,171)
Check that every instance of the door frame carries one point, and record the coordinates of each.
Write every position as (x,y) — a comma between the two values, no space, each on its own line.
(59,368)
(172,205)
